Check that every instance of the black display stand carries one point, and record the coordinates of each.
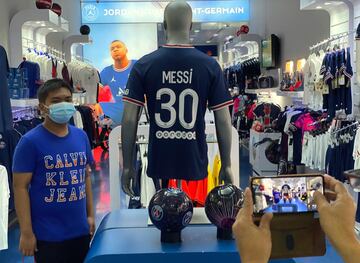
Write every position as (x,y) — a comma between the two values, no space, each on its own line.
(170,237)
(224,234)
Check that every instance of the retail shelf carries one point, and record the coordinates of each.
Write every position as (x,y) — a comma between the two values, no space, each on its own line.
(24,103)
(292,94)
(257,91)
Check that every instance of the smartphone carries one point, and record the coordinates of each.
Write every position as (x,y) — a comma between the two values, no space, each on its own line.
(286,194)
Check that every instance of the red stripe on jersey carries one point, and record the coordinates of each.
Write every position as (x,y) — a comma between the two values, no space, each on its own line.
(222,105)
(133,101)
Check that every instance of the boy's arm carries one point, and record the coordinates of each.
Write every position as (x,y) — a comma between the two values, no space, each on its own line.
(89,201)
(21,183)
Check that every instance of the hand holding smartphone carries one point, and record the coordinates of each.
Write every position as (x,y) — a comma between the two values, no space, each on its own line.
(286,194)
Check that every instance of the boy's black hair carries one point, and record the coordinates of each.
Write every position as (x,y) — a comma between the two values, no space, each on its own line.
(50,86)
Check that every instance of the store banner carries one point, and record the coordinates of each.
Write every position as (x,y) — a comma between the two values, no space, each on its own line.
(153,12)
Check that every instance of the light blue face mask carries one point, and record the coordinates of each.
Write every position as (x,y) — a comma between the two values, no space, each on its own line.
(62,112)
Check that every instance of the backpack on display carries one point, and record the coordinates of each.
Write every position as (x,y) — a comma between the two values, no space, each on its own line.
(44,4)
(272,151)
(56,8)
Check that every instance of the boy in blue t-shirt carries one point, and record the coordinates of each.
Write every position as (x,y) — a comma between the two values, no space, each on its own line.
(52,183)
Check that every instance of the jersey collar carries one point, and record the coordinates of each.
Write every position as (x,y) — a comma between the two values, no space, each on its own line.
(123,69)
(178,46)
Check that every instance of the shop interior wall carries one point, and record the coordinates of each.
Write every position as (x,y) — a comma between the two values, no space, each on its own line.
(297,30)
(8,8)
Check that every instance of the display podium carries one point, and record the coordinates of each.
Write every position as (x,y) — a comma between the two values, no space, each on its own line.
(124,236)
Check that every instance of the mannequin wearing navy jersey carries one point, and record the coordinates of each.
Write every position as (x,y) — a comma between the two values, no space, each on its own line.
(179,83)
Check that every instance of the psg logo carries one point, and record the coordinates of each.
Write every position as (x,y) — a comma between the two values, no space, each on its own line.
(157,213)
(187,218)
(90,12)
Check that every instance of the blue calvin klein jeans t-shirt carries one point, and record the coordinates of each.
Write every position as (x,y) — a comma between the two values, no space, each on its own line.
(57,189)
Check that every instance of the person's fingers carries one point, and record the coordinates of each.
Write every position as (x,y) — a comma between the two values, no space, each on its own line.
(334,185)
(329,182)
(92,229)
(320,201)
(247,209)
(266,221)
(330,195)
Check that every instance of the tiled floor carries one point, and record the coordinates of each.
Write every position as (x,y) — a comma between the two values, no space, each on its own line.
(101,193)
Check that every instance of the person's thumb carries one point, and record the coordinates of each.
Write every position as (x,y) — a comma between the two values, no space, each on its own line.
(266,221)
(320,200)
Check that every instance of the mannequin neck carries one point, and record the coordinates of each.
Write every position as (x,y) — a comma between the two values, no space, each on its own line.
(121,64)
(60,130)
(178,38)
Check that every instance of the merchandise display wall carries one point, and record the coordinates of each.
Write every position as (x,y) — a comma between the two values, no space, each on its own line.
(71,11)
(295,37)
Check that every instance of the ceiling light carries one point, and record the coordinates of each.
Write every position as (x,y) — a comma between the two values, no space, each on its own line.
(196,30)
(208,41)
(216,34)
(319,7)
(51,28)
(191,39)
(38,22)
(327,3)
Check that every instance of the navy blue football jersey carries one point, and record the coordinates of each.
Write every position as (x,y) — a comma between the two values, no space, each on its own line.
(179,83)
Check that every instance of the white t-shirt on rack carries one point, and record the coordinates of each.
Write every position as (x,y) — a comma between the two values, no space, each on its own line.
(4,207)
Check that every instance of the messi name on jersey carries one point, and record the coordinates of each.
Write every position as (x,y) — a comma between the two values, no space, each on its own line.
(177,77)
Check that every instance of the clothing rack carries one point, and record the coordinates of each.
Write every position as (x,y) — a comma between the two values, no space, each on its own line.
(345,128)
(23,110)
(332,39)
(317,122)
(36,46)
(81,58)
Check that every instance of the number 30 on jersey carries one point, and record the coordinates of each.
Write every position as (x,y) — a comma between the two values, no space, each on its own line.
(169,106)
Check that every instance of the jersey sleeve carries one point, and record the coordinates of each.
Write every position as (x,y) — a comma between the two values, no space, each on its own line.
(135,91)
(24,159)
(219,96)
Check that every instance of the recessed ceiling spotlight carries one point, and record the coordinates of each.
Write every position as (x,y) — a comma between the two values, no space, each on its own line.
(216,34)
(51,28)
(196,30)
(327,3)
(319,7)
(208,41)
(191,39)
(38,22)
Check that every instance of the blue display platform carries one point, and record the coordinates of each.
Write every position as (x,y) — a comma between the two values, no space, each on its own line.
(124,236)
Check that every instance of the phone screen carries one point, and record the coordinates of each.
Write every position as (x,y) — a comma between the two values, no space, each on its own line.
(286,194)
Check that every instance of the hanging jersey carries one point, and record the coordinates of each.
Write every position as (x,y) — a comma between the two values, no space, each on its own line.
(179,84)
(4,207)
